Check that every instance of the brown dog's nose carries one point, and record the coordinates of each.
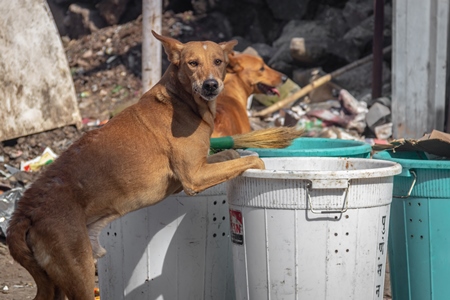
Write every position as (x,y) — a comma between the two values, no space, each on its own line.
(284,78)
(210,85)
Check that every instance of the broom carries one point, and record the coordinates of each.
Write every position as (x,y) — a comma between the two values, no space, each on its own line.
(276,137)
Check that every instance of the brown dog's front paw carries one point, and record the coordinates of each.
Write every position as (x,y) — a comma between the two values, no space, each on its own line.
(256,163)
(223,156)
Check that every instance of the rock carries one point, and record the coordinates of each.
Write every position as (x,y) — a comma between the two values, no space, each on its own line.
(361,35)
(264,50)
(282,60)
(334,18)
(309,51)
(287,9)
(356,11)
(304,29)
(112,10)
(253,21)
(309,31)
(82,20)
(378,115)
(213,27)
(59,14)
(358,81)
(36,89)
(242,43)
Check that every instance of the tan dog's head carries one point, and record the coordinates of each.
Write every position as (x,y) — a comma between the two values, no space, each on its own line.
(255,73)
(201,65)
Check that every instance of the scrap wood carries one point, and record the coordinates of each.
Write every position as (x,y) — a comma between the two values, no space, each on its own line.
(315,84)
(435,143)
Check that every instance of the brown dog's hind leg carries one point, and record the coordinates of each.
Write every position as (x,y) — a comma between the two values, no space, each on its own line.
(45,287)
(79,267)
(67,261)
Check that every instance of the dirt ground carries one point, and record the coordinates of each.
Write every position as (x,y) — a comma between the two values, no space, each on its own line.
(106,68)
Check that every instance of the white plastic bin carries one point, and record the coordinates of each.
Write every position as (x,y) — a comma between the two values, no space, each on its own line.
(177,249)
(311,228)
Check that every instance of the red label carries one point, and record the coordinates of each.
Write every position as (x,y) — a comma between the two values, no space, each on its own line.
(237,227)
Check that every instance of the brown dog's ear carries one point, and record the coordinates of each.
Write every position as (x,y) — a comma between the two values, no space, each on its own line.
(233,63)
(228,47)
(172,47)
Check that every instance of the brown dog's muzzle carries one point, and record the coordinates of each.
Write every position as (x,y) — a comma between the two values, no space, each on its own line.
(210,89)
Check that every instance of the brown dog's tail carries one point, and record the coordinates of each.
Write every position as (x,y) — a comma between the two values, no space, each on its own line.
(276,137)
(16,240)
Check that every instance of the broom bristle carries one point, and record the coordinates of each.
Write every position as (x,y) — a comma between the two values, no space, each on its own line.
(276,137)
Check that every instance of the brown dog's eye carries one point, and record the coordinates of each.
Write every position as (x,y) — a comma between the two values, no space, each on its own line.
(193,63)
(262,69)
(217,62)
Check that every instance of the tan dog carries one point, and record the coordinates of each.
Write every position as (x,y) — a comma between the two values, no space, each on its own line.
(149,151)
(247,75)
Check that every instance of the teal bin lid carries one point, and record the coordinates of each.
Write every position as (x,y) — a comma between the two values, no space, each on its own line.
(319,147)
(413,160)
(421,177)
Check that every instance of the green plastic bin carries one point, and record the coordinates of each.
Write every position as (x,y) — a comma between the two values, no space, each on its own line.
(419,237)
(319,147)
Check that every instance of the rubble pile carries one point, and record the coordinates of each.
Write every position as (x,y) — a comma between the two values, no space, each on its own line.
(303,39)
(298,38)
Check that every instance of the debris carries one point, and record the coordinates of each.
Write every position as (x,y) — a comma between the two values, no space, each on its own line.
(378,114)
(11,169)
(8,202)
(15,154)
(47,157)
(313,85)
(97,293)
(384,131)
(436,143)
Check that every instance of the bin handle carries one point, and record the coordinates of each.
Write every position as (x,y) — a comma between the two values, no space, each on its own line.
(411,188)
(315,211)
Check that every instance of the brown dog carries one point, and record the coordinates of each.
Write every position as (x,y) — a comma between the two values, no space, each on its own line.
(247,75)
(149,151)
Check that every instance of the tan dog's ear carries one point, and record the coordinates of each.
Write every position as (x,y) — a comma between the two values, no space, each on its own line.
(172,47)
(228,47)
(233,63)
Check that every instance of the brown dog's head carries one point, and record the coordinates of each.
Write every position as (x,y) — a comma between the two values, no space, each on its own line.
(201,65)
(255,73)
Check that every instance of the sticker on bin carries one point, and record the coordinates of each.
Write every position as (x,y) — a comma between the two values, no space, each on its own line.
(237,227)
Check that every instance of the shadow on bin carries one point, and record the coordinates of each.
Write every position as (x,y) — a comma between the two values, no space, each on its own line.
(176,249)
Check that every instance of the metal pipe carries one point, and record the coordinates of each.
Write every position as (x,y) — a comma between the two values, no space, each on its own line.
(151,48)
(377,69)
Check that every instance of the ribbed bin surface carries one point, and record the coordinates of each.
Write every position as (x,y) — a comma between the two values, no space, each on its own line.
(311,228)
(419,243)
(178,249)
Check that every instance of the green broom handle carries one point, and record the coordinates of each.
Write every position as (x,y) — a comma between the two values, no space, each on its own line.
(225,142)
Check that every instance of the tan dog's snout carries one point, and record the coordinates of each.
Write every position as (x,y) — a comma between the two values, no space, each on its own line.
(210,88)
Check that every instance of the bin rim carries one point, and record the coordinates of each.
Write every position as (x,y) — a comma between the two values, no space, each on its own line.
(385,168)
(354,148)
(408,163)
